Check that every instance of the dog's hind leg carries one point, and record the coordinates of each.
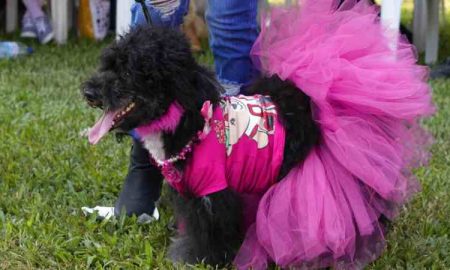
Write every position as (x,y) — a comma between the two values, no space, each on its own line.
(209,228)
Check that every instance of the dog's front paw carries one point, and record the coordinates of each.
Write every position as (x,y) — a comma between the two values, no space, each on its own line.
(182,251)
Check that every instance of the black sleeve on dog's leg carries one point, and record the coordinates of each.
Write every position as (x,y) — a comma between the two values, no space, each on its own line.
(142,186)
(212,232)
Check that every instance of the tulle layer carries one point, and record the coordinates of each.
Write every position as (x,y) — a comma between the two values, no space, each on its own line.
(368,96)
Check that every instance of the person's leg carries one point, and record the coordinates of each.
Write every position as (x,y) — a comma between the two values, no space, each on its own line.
(140,190)
(41,21)
(28,29)
(165,13)
(233,29)
(142,186)
(34,8)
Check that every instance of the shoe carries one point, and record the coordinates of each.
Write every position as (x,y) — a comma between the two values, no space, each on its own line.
(106,213)
(44,29)
(28,28)
(146,219)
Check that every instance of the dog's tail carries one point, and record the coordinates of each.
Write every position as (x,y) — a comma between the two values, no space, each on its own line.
(367,97)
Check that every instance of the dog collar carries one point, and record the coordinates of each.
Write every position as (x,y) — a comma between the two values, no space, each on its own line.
(170,172)
(166,123)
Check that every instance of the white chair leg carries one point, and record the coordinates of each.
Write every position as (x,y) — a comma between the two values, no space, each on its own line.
(60,20)
(419,24)
(123,17)
(12,13)
(432,33)
(390,18)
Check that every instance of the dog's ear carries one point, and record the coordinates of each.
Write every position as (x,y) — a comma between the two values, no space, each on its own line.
(193,90)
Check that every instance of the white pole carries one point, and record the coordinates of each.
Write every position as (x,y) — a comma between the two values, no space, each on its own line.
(390,19)
(60,18)
(123,17)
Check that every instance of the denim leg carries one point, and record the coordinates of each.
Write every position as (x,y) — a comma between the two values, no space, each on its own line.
(34,8)
(142,186)
(233,29)
(166,13)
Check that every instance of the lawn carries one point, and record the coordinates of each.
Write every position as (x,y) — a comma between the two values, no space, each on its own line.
(48,171)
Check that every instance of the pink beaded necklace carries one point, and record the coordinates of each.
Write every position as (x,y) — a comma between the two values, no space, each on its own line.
(168,123)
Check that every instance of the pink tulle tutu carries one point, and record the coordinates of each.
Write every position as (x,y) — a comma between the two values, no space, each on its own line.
(367,99)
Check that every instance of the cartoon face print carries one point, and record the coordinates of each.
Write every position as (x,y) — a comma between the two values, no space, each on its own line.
(252,116)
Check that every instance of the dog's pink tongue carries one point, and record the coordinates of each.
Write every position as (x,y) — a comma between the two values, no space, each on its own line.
(102,127)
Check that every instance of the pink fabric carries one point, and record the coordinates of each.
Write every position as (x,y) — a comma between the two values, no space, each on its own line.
(167,123)
(367,100)
(243,150)
(34,8)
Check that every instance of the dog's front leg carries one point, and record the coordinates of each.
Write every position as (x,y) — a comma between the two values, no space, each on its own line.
(209,228)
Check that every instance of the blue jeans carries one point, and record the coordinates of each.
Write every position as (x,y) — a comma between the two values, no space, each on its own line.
(166,17)
(233,29)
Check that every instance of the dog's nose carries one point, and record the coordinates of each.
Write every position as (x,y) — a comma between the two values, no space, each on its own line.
(92,98)
(89,96)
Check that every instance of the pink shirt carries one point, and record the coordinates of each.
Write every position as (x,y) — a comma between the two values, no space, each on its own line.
(242,151)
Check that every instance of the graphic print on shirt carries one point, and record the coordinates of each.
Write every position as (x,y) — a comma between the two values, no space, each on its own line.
(252,116)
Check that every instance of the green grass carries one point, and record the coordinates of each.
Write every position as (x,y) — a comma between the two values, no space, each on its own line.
(48,171)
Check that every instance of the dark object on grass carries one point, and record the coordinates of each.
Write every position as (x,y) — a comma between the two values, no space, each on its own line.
(441,71)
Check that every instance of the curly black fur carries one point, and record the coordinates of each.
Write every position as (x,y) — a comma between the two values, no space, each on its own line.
(207,235)
(295,112)
(154,67)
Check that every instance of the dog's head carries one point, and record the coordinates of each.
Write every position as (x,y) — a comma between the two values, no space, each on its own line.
(139,77)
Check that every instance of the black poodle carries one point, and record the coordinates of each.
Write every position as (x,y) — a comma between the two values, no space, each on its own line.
(139,78)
